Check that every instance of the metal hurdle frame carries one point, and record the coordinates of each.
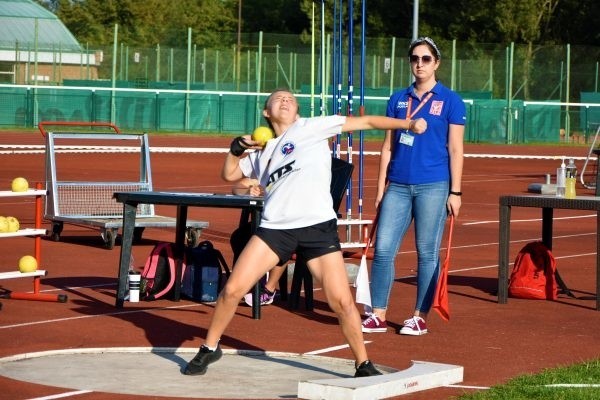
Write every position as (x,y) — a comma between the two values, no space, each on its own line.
(91,204)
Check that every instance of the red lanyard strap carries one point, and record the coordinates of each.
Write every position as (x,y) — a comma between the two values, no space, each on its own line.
(409,115)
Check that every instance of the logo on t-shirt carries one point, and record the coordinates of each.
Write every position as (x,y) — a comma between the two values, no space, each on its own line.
(436,107)
(401,104)
(287,148)
(280,172)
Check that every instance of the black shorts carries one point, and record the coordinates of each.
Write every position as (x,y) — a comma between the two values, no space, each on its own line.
(309,242)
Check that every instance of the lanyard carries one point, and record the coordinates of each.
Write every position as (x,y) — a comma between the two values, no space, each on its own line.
(409,115)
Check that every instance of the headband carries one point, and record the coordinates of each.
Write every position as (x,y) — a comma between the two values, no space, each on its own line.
(429,41)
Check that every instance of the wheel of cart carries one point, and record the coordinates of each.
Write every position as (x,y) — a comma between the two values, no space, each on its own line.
(192,236)
(57,228)
(109,236)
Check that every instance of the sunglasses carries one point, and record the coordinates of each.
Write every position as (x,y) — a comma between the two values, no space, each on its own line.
(425,59)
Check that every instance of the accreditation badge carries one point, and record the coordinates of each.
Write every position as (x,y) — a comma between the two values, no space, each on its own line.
(406,139)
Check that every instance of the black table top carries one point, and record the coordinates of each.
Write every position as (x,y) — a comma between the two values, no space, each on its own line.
(551,201)
(190,199)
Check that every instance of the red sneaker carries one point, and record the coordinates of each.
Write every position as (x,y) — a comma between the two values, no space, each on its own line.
(414,326)
(374,325)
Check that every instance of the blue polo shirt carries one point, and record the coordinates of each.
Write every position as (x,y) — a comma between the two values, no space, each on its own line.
(427,159)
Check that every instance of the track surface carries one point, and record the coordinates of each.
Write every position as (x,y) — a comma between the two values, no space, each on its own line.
(493,342)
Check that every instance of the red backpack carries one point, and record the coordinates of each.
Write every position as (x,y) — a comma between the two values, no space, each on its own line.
(533,275)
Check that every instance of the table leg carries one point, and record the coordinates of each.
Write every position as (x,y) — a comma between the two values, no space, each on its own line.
(129,211)
(503,246)
(547,220)
(180,226)
(255,221)
(598,261)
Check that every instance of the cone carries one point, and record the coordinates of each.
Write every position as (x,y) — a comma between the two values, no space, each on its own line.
(440,301)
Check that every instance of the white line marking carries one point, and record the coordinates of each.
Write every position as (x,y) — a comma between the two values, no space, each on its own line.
(575,385)
(49,321)
(468,387)
(63,395)
(330,349)
(527,220)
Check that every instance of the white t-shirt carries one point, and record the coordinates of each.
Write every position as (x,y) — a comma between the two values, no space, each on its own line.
(295,170)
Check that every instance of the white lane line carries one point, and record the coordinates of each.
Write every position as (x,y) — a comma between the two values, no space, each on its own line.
(63,395)
(527,220)
(143,310)
(330,349)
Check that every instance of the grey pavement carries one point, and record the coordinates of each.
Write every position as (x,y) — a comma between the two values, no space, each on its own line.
(157,371)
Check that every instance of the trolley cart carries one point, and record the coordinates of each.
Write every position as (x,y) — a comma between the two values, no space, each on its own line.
(76,201)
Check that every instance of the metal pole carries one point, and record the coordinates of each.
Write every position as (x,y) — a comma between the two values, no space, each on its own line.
(392,65)
(415,31)
(509,130)
(239,44)
(114,74)
(567,93)
(157,63)
(322,73)
(350,98)
(361,134)
(312,61)
(187,81)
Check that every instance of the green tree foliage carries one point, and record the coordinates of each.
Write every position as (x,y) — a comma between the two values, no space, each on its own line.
(147,22)
(273,16)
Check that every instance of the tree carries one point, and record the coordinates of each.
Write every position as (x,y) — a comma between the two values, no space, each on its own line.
(147,22)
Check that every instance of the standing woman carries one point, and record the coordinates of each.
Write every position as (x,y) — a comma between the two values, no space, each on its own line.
(420,180)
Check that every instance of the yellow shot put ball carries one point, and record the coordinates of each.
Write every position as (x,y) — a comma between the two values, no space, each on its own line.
(13,224)
(19,185)
(3,225)
(262,134)
(28,264)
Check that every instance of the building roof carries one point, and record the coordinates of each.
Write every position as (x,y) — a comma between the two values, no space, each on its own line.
(18,28)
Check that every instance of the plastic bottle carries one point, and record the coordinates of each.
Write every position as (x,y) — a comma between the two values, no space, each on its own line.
(561,174)
(571,179)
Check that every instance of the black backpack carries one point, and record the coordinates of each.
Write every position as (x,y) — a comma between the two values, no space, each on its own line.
(205,274)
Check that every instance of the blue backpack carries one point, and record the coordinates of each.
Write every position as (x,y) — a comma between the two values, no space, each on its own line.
(205,274)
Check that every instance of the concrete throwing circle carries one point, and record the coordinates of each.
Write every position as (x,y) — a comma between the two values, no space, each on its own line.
(156,371)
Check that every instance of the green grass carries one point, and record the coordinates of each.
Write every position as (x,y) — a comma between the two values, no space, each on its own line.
(535,386)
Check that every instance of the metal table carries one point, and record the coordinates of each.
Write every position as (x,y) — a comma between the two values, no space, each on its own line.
(182,201)
(547,203)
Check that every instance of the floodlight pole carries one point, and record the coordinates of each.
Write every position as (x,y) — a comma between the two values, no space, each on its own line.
(415,33)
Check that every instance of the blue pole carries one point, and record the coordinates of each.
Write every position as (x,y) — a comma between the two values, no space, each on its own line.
(350,96)
(361,148)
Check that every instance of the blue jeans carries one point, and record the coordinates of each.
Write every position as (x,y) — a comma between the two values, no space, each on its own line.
(426,204)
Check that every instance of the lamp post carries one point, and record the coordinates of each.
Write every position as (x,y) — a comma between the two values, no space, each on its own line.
(239,44)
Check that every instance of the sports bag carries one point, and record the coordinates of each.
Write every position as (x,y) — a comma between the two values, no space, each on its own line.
(206,273)
(158,275)
(533,275)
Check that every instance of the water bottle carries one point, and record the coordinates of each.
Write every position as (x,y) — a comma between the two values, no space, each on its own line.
(571,179)
(561,175)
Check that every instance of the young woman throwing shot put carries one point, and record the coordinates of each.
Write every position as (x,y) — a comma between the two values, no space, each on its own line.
(294,169)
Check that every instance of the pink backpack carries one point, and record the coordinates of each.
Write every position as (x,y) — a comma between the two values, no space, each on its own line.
(158,276)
